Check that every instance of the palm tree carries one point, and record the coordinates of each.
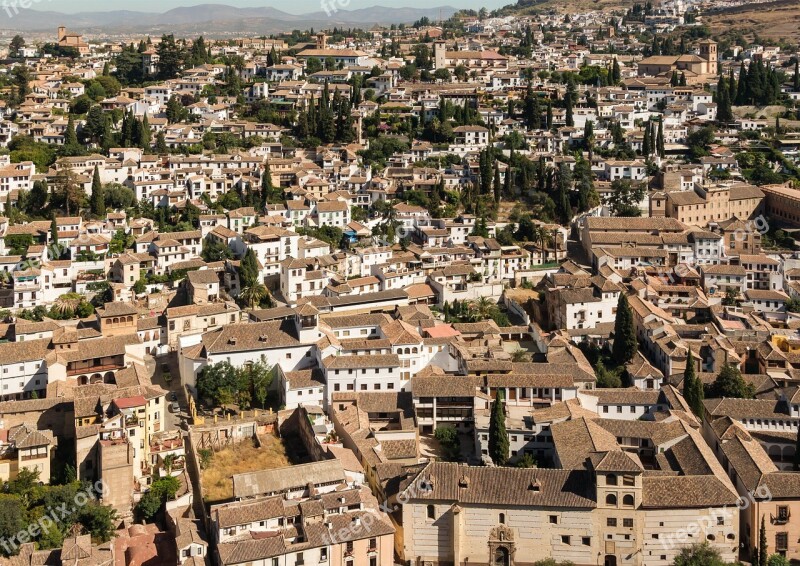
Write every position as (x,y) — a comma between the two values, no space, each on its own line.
(67,303)
(481,308)
(254,294)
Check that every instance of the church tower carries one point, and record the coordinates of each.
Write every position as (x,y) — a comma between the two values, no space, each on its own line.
(708,52)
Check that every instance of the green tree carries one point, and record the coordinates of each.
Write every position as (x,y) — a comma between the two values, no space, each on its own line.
(17,43)
(731,384)
(498,437)
(217,383)
(763,548)
(697,398)
(625,343)
(170,57)
(778,560)
(702,554)
(99,520)
(98,200)
(688,379)
(248,269)
(161,490)
(448,440)
(174,109)
(12,517)
(252,295)
(625,197)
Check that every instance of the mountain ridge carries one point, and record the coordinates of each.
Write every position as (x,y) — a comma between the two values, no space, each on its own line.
(215,18)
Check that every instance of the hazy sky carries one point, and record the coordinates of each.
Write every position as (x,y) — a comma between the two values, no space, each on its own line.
(296,6)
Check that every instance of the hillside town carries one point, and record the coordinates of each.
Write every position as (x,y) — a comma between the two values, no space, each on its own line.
(515,287)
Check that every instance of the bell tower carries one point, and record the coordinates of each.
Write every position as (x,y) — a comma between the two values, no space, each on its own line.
(708,52)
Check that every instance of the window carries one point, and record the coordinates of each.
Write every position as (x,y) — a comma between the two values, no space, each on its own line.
(611,522)
(611,499)
(565,539)
(655,535)
(349,546)
(781,541)
(628,480)
(627,523)
(502,519)
(373,544)
(323,554)
(553,519)
(628,500)
(783,513)
(431,512)
(586,541)
(611,479)
(720,521)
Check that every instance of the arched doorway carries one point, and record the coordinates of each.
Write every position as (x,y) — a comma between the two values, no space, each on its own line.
(610,560)
(501,557)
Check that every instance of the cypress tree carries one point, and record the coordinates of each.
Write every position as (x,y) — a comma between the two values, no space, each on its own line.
(796,80)
(70,137)
(741,90)
(161,144)
(646,149)
(496,186)
(570,120)
(498,437)
(98,202)
(625,343)
(688,380)
(144,136)
(660,138)
(53,231)
(763,549)
(697,397)
(248,269)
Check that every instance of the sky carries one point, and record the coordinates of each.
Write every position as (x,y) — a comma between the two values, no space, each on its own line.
(301,6)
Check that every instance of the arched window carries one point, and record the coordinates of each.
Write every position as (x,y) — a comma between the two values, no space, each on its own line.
(502,519)
(431,512)
(711,537)
(628,500)
(611,479)
(611,499)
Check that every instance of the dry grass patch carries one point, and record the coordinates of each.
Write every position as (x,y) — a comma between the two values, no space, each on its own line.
(238,459)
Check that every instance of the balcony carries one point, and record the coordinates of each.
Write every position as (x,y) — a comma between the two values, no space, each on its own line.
(73,371)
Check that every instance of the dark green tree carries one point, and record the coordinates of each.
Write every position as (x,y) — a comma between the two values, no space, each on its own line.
(731,384)
(625,343)
(98,200)
(498,437)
